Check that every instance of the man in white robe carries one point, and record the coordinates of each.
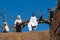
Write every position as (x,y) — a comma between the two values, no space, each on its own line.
(17,21)
(32,25)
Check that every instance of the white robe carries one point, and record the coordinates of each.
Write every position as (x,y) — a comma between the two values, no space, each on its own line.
(33,22)
(7,28)
(29,26)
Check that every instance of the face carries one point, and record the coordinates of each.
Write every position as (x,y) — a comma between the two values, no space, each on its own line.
(19,18)
(4,24)
(33,15)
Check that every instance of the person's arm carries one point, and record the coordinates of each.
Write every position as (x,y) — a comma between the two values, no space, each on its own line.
(36,20)
(29,26)
(21,21)
(30,19)
(4,28)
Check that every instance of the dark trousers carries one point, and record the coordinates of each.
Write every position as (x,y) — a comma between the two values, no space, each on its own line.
(18,28)
(33,28)
(4,31)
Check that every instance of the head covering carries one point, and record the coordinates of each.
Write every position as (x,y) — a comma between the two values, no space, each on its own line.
(33,14)
(18,16)
(5,22)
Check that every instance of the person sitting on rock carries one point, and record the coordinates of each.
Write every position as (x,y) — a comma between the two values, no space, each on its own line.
(32,25)
(16,24)
(5,27)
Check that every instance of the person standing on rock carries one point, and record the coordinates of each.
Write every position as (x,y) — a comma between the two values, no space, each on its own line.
(32,25)
(5,28)
(16,24)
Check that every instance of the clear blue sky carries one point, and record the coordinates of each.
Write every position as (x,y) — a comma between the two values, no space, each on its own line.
(15,7)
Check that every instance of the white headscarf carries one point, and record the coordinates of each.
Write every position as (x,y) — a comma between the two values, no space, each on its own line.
(18,16)
(17,20)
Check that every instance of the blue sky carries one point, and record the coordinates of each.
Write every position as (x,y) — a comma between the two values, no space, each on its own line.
(15,7)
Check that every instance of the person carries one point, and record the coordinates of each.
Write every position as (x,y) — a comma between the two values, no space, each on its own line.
(6,28)
(16,24)
(32,25)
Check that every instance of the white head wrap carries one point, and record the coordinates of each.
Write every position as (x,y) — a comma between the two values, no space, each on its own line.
(18,16)
(5,22)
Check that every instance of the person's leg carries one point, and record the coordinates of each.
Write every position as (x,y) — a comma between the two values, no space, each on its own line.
(4,31)
(20,28)
(17,29)
(34,28)
(29,27)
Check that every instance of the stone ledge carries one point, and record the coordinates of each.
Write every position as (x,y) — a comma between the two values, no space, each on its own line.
(25,36)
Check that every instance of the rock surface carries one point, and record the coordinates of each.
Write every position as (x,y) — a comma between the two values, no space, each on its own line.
(25,36)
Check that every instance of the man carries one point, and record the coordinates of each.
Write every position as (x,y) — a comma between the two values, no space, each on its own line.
(6,28)
(16,24)
(32,25)
(51,15)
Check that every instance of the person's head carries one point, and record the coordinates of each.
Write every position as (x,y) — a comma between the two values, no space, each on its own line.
(49,10)
(5,23)
(18,17)
(33,15)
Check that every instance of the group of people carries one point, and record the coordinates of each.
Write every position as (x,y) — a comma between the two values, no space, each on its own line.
(32,24)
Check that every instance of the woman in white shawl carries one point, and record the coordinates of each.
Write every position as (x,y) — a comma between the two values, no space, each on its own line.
(6,28)
(18,20)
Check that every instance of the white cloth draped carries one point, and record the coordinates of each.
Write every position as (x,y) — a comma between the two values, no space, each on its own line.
(7,28)
(19,21)
(33,22)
